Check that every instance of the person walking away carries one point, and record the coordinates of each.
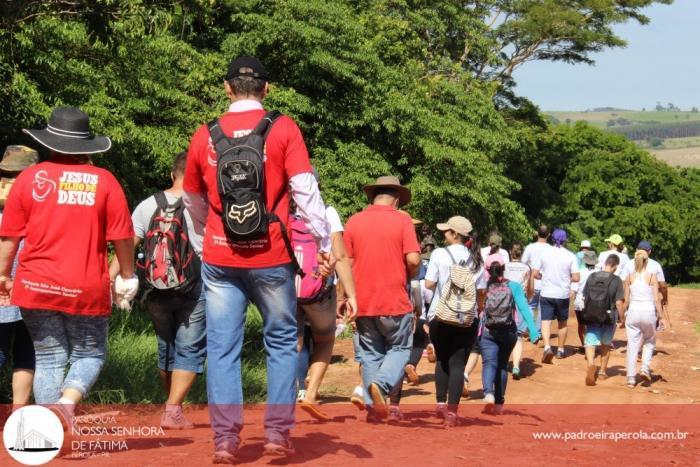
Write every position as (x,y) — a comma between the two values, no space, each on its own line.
(653,267)
(456,274)
(319,310)
(499,331)
(643,303)
(590,259)
(66,210)
(585,246)
(530,256)
(494,247)
(615,247)
(558,269)
(517,271)
(14,337)
(385,253)
(246,253)
(174,298)
(604,298)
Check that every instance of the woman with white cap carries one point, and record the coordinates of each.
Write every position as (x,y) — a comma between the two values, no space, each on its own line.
(453,341)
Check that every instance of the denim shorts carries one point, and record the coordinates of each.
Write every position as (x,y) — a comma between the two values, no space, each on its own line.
(180,325)
(356,346)
(554,308)
(599,334)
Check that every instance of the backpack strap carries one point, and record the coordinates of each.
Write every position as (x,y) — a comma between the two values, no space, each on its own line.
(161,200)
(265,125)
(447,249)
(218,139)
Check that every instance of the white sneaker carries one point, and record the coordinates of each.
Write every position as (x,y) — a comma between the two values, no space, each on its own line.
(490,402)
(301,395)
(358,397)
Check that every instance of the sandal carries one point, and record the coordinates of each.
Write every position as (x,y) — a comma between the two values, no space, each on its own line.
(313,410)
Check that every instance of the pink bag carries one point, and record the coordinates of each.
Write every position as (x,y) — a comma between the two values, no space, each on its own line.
(311,287)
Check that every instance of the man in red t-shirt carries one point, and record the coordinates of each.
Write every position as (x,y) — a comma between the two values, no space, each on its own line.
(66,209)
(385,252)
(258,270)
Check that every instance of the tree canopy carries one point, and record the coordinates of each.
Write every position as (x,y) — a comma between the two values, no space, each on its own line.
(420,89)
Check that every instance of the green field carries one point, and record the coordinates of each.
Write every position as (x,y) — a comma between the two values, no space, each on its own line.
(601,119)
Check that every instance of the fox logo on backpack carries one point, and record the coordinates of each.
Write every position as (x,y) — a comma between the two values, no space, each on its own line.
(240,181)
(499,307)
(597,300)
(169,261)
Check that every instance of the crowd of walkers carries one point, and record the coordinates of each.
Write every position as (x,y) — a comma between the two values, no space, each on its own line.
(243,222)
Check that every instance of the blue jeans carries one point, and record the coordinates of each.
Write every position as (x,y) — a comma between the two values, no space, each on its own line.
(227,292)
(535,308)
(179,322)
(385,343)
(496,348)
(60,338)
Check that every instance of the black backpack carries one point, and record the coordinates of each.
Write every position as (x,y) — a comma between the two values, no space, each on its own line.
(169,262)
(240,181)
(499,307)
(597,301)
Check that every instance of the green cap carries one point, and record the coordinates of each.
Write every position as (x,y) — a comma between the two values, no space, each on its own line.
(18,158)
(615,239)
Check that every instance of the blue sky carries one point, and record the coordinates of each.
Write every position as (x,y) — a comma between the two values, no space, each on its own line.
(660,63)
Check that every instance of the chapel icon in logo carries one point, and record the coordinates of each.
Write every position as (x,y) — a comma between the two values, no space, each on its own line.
(42,186)
(33,435)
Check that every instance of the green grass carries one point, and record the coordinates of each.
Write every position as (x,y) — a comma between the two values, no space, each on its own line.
(673,143)
(600,119)
(130,374)
(691,285)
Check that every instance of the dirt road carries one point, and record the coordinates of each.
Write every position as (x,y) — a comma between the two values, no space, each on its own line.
(551,418)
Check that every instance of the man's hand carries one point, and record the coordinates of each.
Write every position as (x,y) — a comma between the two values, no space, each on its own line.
(6,287)
(125,291)
(347,310)
(326,263)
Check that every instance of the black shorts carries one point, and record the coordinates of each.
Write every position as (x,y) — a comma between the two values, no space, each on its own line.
(554,308)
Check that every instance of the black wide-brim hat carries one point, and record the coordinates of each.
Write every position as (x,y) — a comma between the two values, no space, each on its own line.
(68,132)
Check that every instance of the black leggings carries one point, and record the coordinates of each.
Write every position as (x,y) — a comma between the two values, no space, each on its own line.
(15,340)
(452,347)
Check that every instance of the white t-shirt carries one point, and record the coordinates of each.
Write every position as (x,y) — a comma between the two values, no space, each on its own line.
(334,220)
(531,254)
(624,259)
(144,212)
(556,265)
(439,271)
(486,251)
(578,286)
(519,272)
(653,267)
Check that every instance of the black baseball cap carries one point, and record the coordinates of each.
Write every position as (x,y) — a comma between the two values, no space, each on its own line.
(246,66)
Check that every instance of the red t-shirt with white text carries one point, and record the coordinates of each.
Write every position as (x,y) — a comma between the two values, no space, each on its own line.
(378,240)
(285,156)
(66,212)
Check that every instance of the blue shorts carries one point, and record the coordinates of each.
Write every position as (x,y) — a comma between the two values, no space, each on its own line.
(180,325)
(599,334)
(554,308)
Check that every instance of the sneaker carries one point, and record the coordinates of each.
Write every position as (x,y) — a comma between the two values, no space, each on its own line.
(174,419)
(372,417)
(590,375)
(378,400)
(516,373)
(411,374)
(431,353)
(278,447)
(490,401)
(631,382)
(645,375)
(547,355)
(560,354)
(498,409)
(450,420)
(358,398)
(395,415)
(441,410)
(301,395)
(225,453)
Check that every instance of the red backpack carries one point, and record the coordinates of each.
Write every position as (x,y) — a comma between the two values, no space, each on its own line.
(169,262)
(311,287)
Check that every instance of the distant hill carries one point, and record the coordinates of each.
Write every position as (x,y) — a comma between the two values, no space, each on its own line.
(616,118)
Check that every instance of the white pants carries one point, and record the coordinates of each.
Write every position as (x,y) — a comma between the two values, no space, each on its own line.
(640,323)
